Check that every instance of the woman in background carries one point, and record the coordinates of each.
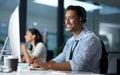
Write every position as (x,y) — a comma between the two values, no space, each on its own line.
(37,49)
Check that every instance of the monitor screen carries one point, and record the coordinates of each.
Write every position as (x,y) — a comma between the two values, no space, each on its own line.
(14,33)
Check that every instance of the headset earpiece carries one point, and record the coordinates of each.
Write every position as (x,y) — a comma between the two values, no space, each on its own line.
(80,19)
(83,16)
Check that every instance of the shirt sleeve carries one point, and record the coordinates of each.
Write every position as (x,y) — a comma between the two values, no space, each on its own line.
(38,49)
(61,57)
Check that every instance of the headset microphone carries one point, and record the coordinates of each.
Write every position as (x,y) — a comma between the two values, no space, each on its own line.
(66,29)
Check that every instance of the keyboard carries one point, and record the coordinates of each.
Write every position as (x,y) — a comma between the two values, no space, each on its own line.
(23,64)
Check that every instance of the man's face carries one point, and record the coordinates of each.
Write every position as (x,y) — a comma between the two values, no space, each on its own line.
(71,20)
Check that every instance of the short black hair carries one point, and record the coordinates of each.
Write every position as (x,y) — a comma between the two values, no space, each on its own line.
(81,12)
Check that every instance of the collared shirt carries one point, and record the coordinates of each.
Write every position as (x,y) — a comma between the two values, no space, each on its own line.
(86,55)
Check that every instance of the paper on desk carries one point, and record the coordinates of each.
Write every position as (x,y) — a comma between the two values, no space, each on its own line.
(58,73)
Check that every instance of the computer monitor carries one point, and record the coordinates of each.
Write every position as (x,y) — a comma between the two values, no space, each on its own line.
(14,33)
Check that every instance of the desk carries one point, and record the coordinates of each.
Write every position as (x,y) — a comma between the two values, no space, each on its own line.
(25,70)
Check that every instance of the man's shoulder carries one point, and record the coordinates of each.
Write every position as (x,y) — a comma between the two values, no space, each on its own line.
(90,34)
(70,39)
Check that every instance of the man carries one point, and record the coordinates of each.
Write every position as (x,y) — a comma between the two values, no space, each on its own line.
(82,51)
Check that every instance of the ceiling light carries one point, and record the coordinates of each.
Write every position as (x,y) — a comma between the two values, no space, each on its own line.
(87,6)
(54,3)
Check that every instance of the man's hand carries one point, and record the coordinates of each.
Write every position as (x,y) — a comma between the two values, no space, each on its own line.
(65,66)
(36,64)
(39,64)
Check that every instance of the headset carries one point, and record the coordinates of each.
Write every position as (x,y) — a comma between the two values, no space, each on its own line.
(83,14)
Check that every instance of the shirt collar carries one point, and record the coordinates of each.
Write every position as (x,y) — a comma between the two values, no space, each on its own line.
(81,34)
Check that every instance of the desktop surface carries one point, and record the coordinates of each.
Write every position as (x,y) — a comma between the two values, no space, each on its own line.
(25,69)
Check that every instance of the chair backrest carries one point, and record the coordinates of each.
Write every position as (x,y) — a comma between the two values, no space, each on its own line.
(103,60)
(50,55)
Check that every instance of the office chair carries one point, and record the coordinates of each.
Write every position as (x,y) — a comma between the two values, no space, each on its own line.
(103,60)
(50,55)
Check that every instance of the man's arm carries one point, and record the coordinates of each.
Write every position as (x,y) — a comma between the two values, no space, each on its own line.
(65,66)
